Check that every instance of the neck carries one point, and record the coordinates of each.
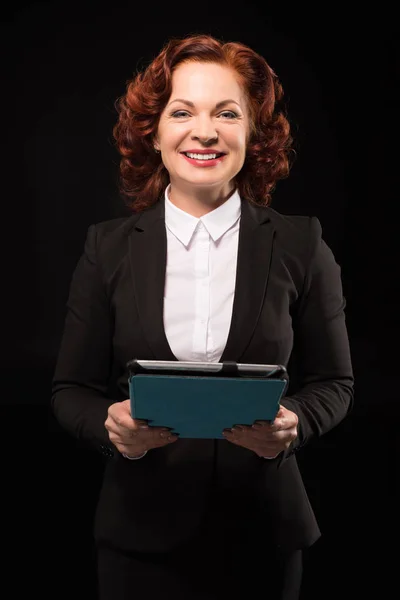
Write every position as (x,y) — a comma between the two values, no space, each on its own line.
(199,202)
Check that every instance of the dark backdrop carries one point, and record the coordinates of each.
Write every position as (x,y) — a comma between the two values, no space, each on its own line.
(65,63)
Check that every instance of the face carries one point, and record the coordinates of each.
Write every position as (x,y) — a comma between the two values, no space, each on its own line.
(206,111)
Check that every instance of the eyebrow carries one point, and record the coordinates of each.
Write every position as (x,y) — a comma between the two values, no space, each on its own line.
(218,105)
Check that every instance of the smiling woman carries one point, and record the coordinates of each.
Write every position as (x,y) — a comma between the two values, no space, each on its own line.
(204,270)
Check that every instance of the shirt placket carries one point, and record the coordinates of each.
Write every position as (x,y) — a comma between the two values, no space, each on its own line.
(202,293)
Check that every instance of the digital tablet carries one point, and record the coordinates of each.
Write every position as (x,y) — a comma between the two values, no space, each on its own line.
(200,399)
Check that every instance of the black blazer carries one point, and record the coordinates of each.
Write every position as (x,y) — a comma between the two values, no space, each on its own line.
(288,309)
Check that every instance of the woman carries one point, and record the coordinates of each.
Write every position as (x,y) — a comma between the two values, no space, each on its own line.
(203,270)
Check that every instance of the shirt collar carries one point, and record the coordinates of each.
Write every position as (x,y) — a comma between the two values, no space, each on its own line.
(217,222)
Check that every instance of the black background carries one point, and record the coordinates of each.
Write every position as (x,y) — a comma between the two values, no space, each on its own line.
(65,64)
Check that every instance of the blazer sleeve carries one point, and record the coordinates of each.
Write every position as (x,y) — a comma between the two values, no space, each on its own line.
(321,346)
(83,368)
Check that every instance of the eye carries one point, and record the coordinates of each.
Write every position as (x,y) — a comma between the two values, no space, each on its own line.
(179,113)
(230,112)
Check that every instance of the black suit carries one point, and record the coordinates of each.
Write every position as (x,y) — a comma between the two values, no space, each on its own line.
(288,309)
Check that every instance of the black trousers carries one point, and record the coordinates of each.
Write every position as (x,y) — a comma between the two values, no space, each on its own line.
(203,569)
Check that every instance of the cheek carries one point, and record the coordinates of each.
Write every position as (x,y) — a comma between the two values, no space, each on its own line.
(240,142)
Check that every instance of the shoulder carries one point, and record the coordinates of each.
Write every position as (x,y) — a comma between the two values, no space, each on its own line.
(299,226)
(117,228)
(107,241)
(114,231)
(295,233)
(300,240)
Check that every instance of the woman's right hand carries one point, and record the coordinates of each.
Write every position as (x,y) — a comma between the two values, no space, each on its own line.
(133,437)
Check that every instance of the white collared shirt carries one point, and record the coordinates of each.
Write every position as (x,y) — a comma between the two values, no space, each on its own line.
(200,279)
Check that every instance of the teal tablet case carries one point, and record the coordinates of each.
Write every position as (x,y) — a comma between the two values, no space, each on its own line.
(201,406)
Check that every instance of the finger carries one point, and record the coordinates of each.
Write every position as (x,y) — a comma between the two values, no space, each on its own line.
(120,413)
(143,432)
(155,437)
(124,424)
(140,445)
(121,432)
(119,421)
(140,422)
(262,422)
(265,429)
(278,423)
(164,435)
(128,438)
(158,428)
(240,432)
(160,442)
(274,425)
(231,436)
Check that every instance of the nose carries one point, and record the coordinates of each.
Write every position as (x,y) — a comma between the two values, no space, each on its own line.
(205,132)
(206,140)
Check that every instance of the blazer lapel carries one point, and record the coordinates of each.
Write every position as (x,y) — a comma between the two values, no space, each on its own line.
(148,257)
(256,236)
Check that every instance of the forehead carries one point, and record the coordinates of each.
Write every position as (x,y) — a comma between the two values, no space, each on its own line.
(201,80)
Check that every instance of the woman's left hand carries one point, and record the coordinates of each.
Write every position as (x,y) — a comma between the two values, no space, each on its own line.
(265,438)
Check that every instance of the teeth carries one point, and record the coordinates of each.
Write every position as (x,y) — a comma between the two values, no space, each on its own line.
(201,156)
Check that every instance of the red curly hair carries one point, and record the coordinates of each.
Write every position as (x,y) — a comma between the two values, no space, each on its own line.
(143,177)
